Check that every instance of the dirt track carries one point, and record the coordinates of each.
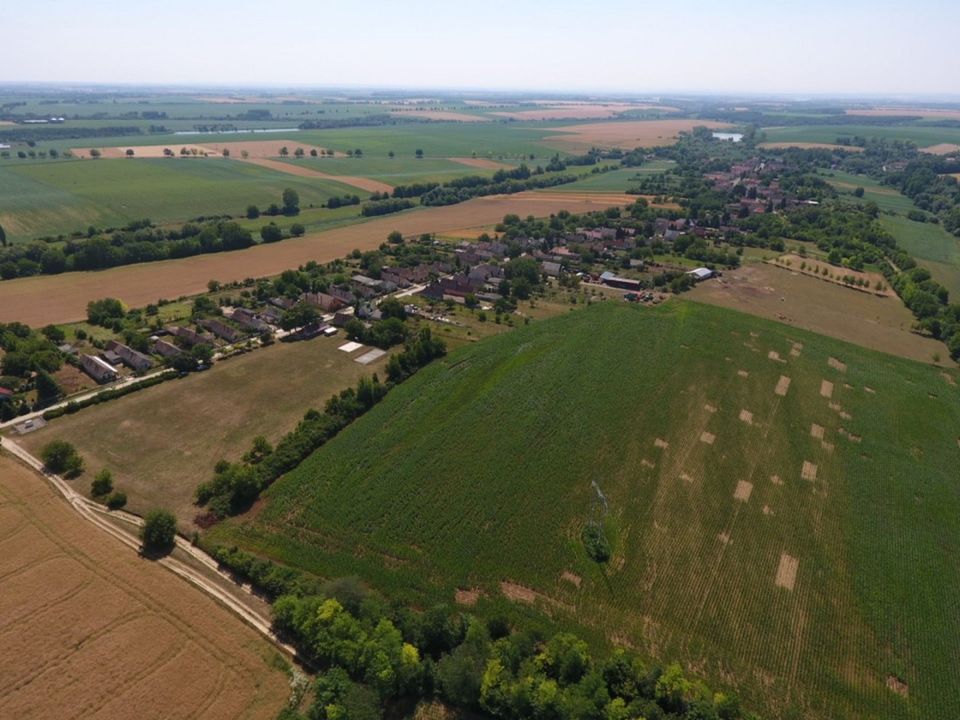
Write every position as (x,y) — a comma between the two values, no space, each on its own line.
(45,299)
(91,630)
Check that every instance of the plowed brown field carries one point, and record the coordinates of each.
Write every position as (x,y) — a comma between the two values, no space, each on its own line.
(89,630)
(45,299)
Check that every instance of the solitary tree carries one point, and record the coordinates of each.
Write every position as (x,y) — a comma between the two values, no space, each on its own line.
(298,152)
(226,152)
(129,152)
(102,484)
(358,153)
(284,152)
(253,212)
(94,153)
(291,201)
(244,154)
(59,456)
(391,154)
(313,152)
(419,154)
(159,533)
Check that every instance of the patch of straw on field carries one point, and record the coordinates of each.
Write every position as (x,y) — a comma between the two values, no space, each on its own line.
(787,572)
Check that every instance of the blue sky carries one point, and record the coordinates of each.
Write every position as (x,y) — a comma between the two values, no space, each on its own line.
(744,46)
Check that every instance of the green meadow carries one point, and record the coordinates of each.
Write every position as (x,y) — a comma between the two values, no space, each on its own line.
(923,135)
(932,246)
(50,198)
(614,180)
(399,170)
(887,198)
(782,507)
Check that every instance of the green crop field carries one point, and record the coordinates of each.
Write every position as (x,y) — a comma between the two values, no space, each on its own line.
(396,171)
(50,198)
(887,198)
(922,135)
(614,180)
(931,245)
(789,544)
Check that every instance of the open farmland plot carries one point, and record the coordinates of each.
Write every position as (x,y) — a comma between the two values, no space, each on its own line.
(63,298)
(59,197)
(922,135)
(175,432)
(627,134)
(807,591)
(887,198)
(932,246)
(92,631)
(614,180)
(400,170)
(778,293)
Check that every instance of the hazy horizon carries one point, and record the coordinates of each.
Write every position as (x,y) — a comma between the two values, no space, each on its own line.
(744,47)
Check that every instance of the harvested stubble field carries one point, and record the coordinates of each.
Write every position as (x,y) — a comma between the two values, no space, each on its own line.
(160,443)
(880,323)
(91,631)
(805,572)
(628,135)
(56,299)
(927,113)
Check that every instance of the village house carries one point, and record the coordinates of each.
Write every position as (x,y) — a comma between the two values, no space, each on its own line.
(189,337)
(222,330)
(327,303)
(343,316)
(612,280)
(249,320)
(553,269)
(165,349)
(131,358)
(98,369)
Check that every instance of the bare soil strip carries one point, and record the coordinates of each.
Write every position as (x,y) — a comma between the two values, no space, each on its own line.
(837,364)
(45,299)
(746,416)
(707,437)
(481,163)
(787,572)
(808,471)
(661,443)
(300,171)
(629,134)
(826,389)
(816,431)
(571,578)
(783,385)
(467,597)
(743,491)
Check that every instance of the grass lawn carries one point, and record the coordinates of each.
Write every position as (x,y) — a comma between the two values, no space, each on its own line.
(160,443)
(480,471)
(59,197)
(922,135)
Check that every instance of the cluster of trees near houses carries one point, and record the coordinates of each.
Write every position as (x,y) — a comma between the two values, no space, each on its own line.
(376,658)
(235,486)
(30,358)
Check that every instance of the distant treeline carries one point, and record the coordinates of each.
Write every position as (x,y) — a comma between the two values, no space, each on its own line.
(41,133)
